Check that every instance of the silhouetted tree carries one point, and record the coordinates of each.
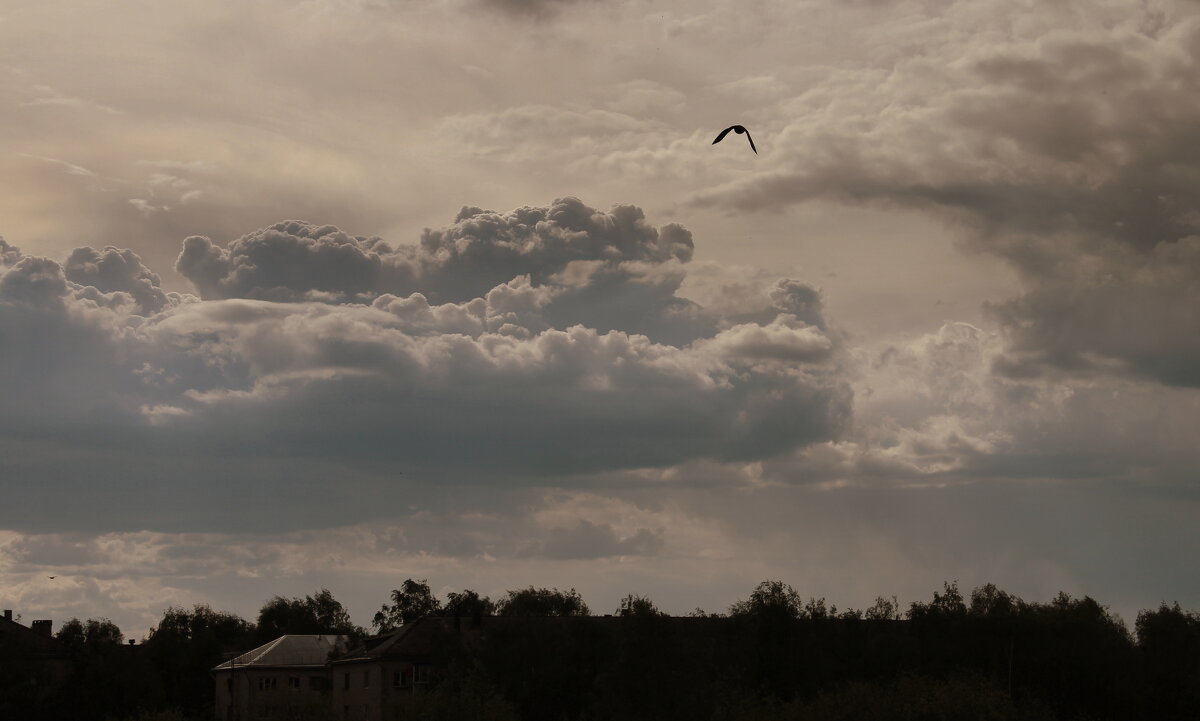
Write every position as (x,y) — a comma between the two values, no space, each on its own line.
(106,677)
(635,605)
(770,599)
(411,601)
(989,601)
(542,602)
(185,645)
(1169,647)
(317,614)
(95,633)
(884,609)
(945,605)
(468,603)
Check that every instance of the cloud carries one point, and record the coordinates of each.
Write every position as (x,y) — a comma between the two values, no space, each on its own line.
(933,412)
(68,167)
(528,8)
(1125,313)
(1070,154)
(481,250)
(558,348)
(606,270)
(9,254)
(114,270)
(588,540)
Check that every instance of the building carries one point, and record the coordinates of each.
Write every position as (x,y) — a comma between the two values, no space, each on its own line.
(33,663)
(284,680)
(380,678)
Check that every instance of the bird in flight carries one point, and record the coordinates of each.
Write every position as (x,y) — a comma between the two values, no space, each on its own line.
(739,130)
(52,577)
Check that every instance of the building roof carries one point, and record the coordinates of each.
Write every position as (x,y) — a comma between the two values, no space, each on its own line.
(29,638)
(290,650)
(418,638)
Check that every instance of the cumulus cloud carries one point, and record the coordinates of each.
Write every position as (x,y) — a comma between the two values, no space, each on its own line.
(569,399)
(933,412)
(115,270)
(1071,154)
(535,343)
(481,250)
(606,270)
(9,255)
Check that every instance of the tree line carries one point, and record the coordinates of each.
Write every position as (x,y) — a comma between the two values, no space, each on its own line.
(771,655)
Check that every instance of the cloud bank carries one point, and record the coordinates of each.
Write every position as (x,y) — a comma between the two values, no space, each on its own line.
(502,349)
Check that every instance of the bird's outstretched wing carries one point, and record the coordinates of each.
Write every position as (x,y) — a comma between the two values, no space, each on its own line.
(723,134)
(751,142)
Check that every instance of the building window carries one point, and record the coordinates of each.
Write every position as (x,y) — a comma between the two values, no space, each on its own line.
(294,683)
(421,673)
(267,683)
(316,683)
(229,684)
(346,686)
(366,679)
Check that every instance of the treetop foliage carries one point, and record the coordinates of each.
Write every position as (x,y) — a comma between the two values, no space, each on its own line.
(542,602)
(411,601)
(95,633)
(638,606)
(318,614)
(468,603)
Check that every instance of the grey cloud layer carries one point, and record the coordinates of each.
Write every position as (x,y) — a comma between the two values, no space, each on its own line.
(1071,153)
(532,365)
(481,250)
(607,270)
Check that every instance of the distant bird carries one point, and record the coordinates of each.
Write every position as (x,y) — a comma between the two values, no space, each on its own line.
(52,577)
(739,130)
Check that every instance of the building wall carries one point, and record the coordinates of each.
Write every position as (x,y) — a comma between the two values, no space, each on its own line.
(376,690)
(278,694)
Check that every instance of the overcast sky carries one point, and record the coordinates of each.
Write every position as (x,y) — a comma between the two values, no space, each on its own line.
(334,293)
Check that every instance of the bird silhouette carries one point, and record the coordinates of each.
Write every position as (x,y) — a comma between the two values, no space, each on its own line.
(52,577)
(739,130)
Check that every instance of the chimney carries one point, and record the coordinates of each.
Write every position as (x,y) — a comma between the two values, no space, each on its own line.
(8,614)
(43,627)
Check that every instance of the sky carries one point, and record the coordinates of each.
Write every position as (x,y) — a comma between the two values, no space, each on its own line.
(334,293)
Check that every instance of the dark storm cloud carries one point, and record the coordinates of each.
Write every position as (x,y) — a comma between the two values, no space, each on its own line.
(541,374)
(548,401)
(1076,157)
(1134,315)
